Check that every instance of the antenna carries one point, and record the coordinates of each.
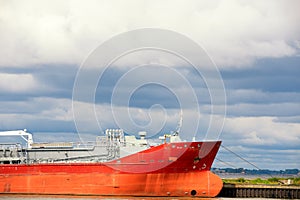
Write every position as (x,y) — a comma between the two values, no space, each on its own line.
(179,125)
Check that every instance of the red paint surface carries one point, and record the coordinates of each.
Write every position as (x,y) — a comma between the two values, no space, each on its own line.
(173,169)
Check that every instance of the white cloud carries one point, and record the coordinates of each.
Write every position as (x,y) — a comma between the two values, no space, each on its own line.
(18,83)
(262,131)
(155,120)
(55,109)
(131,119)
(233,32)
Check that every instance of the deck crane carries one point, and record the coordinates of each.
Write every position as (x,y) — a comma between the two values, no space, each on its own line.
(21,133)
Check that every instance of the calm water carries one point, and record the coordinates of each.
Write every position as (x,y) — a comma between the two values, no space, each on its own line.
(27,197)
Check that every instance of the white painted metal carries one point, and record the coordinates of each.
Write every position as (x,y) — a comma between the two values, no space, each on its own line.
(21,133)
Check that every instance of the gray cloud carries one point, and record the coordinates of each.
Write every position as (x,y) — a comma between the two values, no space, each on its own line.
(255,44)
(268,75)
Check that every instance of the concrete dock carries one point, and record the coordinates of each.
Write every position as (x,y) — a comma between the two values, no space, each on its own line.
(260,191)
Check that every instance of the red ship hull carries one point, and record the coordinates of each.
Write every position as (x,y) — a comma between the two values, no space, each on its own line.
(173,169)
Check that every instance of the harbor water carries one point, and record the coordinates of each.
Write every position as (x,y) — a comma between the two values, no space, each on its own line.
(28,197)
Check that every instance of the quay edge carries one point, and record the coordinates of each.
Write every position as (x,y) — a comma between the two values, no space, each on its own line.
(260,191)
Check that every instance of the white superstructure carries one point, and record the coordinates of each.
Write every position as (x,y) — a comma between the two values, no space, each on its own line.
(21,133)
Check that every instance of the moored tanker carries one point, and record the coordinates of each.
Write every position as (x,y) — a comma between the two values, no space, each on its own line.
(114,164)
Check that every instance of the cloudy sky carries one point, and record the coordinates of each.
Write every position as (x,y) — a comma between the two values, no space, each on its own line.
(48,45)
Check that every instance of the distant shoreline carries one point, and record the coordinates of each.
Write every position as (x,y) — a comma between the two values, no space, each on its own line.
(238,172)
(254,176)
(242,180)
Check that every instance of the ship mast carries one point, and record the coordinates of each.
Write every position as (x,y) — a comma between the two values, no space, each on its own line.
(179,125)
